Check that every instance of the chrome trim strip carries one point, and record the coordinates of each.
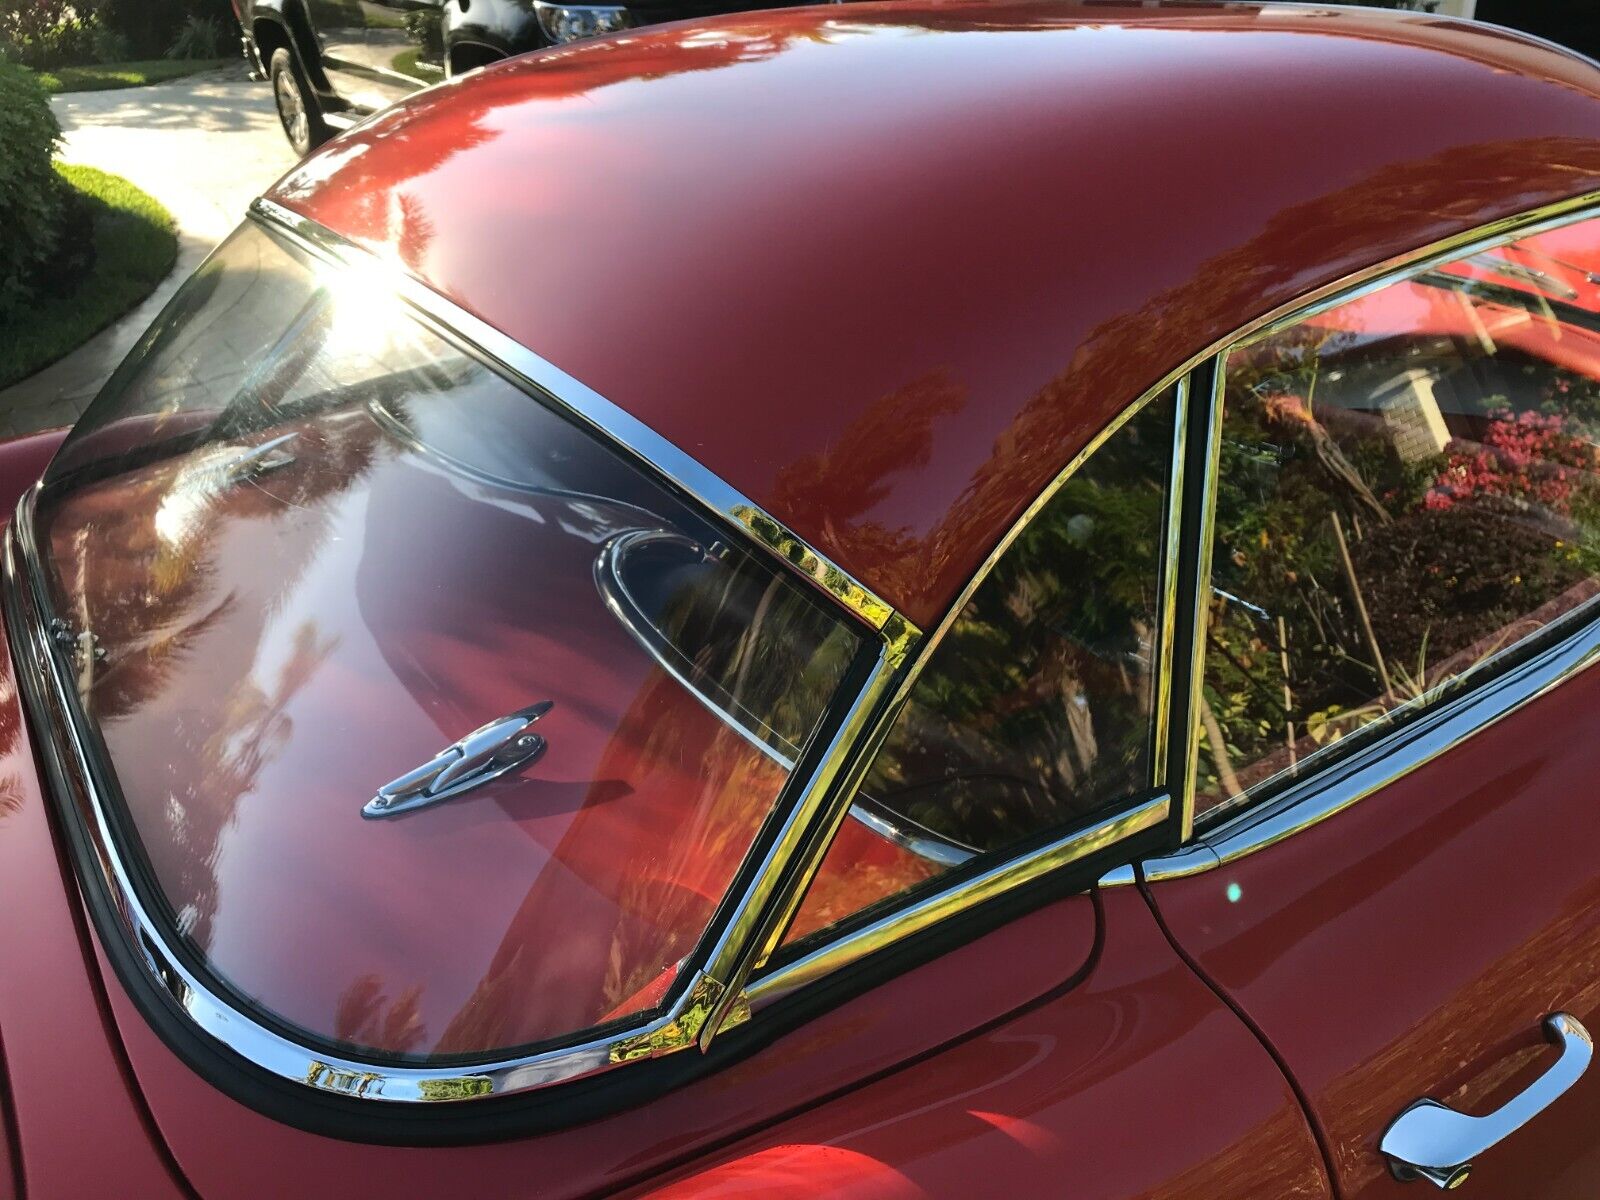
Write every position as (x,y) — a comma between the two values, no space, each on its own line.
(930,911)
(1385,761)
(1169,584)
(619,428)
(1004,876)
(1201,599)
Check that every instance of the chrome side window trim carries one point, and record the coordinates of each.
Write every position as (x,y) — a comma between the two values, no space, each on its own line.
(1482,701)
(1385,761)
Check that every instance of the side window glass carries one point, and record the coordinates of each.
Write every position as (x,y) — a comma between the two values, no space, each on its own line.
(1409,488)
(1036,712)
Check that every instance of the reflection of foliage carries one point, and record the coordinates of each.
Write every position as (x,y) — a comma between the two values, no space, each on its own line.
(366,1016)
(1331,612)
(1528,457)
(1036,708)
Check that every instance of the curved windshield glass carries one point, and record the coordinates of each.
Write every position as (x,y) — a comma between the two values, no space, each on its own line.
(416,695)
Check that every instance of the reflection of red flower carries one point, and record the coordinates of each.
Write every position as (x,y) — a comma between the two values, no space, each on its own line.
(1526,457)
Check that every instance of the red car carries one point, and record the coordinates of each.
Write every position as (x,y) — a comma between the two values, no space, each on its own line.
(946,599)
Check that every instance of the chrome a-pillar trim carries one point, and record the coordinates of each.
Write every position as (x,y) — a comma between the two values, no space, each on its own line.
(618,428)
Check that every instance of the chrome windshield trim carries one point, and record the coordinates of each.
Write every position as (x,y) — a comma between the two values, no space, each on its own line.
(619,428)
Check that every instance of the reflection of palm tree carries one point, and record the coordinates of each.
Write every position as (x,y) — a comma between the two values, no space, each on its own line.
(153,601)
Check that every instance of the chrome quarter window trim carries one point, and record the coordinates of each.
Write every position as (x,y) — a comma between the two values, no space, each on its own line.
(1200,599)
(1171,549)
(1008,874)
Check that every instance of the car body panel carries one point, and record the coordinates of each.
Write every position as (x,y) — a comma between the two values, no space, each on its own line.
(906,353)
(1074,1086)
(1412,945)
(1136,1084)
(65,1069)
(233,1153)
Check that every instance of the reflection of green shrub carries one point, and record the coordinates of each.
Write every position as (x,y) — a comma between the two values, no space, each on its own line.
(426,28)
(32,198)
(1035,710)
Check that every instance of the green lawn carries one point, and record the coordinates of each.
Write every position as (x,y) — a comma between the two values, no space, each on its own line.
(406,64)
(101,76)
(135,245)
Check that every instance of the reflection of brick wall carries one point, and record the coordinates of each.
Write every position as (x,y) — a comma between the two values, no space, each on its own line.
(1411,416)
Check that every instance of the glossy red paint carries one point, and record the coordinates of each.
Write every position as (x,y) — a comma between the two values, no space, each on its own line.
(1412,945)
(232,1153)
(930,251)
(1136,1084)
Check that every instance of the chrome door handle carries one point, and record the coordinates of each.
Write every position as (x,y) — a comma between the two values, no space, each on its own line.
(1431,1141)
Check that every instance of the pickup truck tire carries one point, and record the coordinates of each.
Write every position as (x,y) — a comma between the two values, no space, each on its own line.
(298,111)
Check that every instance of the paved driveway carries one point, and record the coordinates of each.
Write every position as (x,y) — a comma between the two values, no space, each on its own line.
(204,146)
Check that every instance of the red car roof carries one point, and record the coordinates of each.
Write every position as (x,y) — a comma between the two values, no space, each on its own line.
(885,267)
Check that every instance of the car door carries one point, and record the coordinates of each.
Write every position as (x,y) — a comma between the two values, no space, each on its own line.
(1396,878)
(375,53)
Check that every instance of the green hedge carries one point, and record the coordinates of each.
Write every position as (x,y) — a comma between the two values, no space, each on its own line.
(33,200)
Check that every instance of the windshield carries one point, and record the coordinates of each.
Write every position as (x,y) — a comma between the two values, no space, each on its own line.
(417,697)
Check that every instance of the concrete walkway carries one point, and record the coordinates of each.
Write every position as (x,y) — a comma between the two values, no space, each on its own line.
(205,147)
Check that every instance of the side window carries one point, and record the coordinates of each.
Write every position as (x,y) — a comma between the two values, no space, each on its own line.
(1036,711)
(1409,489)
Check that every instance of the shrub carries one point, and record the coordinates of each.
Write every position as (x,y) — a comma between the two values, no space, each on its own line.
(199,37)
(426,28)
(45,33)
(150,27)
(32,196)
